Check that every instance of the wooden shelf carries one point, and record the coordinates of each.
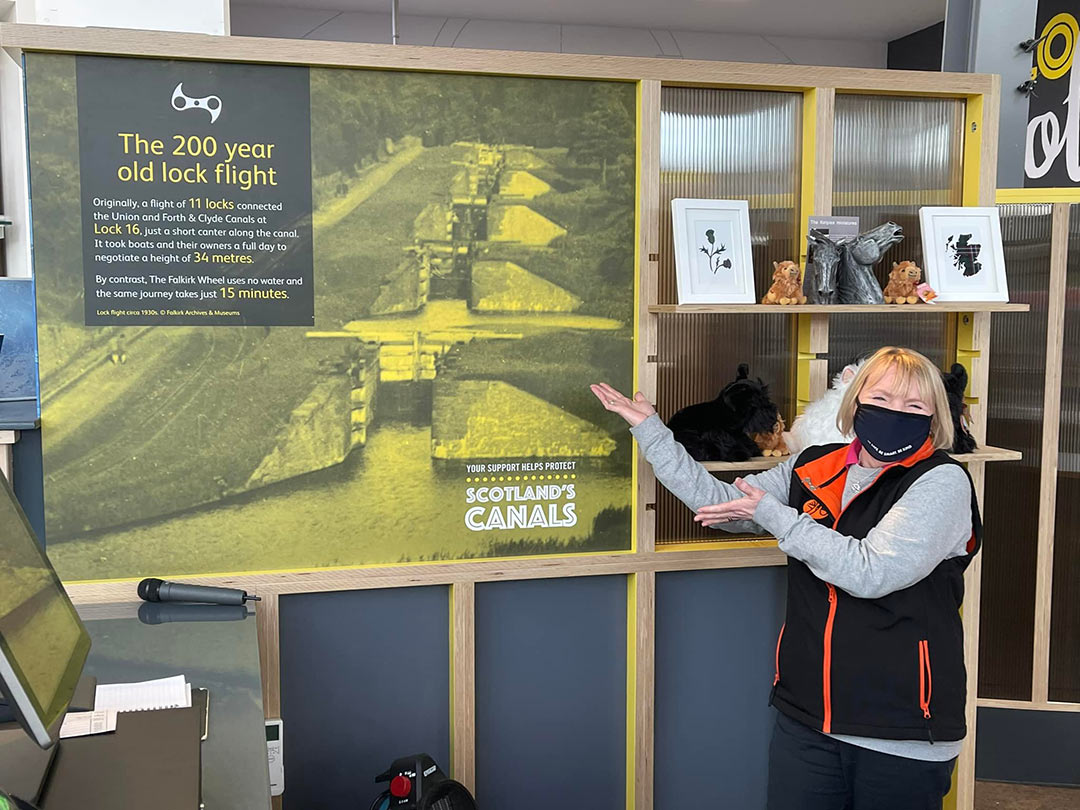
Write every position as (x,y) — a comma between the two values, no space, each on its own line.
(981,455)
(715,545)
(989,454)
(746,309)
(753,465)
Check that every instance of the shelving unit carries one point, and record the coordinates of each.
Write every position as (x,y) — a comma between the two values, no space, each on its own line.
(667,338)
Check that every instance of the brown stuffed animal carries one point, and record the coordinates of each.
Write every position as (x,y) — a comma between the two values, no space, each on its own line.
(772,444)
(903,279)
(786,287)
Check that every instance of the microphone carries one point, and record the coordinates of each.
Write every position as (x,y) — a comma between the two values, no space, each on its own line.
(156,590)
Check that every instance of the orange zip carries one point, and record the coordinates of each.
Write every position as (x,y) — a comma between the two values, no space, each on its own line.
(826,664)
(926,683)
(776,679)
(826,676)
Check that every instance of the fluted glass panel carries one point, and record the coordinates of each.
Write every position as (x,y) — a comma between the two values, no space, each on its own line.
(853,337)
(726,144)
(1065,614)
(732,145)
(1014,420)
(893,155)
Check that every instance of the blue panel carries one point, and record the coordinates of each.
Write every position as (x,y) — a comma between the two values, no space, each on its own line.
(365,679)
(715,645)
(27,475)
(1018,745)
(18,347)
(551,694)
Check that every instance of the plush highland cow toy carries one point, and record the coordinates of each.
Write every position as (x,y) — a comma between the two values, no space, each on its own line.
(955,383)
(772,443)
(787,285)
(904,278)
(720,430)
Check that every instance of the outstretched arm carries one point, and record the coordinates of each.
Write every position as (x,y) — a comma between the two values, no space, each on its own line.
(684,477)
(692,484)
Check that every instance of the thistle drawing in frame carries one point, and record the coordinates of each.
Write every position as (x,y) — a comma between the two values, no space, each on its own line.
(713,262)
(714,252)
(963,253)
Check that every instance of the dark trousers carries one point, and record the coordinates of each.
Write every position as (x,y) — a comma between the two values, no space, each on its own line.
(811,771)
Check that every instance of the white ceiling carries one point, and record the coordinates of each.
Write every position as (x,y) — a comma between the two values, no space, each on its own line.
(841,19)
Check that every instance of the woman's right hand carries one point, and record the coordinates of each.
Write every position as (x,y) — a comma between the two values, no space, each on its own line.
(634,411)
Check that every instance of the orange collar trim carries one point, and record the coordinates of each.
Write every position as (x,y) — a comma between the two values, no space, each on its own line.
(825,477)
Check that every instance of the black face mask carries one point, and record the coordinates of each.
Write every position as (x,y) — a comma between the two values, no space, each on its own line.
(890,435)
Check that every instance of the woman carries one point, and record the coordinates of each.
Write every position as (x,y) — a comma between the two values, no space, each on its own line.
(870,679)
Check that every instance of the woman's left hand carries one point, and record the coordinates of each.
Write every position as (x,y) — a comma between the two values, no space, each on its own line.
(738,509)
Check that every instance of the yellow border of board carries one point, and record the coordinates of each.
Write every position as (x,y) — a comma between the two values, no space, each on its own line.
(1038,195)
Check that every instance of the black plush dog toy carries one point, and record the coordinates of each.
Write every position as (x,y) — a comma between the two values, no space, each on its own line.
(955,384)
(720,430)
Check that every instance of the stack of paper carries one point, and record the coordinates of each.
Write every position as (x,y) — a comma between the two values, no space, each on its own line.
(164,693)
(80,724)
(110,698)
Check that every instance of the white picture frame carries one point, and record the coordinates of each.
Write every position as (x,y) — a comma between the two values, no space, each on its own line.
(962,253)
(713,262)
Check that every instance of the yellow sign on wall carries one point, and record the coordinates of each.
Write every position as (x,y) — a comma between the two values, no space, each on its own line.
(380,354)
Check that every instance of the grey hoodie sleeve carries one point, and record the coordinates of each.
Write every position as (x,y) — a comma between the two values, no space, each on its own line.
(930,523)
(692,484)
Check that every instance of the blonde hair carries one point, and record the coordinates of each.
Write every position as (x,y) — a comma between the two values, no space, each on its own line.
(911,367)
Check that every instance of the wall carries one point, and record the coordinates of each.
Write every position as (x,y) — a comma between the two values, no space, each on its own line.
(921,50)
(193,16)
(457,32)
(353,703)
(201,16)
(713,678)
(1032,747)
(994,31)
(550,685)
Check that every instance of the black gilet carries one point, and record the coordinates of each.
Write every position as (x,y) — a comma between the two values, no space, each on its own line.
(890,667)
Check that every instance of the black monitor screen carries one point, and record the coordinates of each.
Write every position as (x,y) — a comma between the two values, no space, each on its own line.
(43,644)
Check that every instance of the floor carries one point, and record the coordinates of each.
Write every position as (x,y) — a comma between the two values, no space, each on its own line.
(1006,796)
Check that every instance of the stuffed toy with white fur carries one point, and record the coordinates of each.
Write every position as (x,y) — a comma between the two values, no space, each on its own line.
(817,423)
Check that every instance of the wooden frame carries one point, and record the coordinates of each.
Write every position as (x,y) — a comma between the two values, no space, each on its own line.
(1051,431)
(1061,201)
(463,682)
(640,565)
(124,42)
(1026,705)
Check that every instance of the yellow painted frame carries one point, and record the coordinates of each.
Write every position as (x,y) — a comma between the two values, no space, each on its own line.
(1038,195)
(808,166)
